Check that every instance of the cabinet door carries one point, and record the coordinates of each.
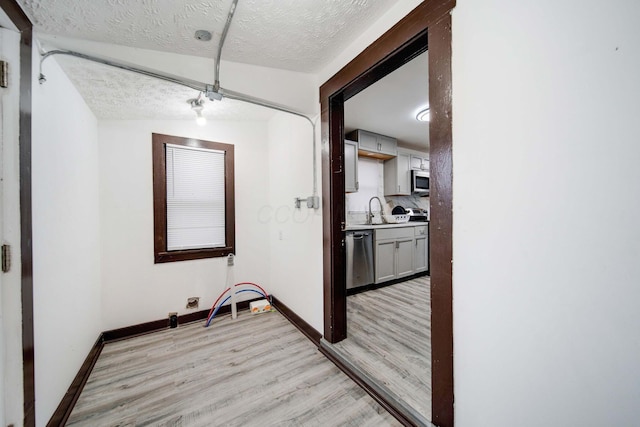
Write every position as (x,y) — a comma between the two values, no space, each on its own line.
(350,166)
(387,145)
(368,141)
(416,162)
(404,258)
(385,260)
(421,254)
(404,174)
(397,176)
(419,163)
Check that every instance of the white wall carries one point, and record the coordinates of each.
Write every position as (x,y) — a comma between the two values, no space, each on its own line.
(295,234)
(10,282)
(546,205)
(66,246)
(136,290)
(371,180)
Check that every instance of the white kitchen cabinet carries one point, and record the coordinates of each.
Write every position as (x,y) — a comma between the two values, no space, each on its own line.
(367,141)
(397,176)
(404,257)
(419,163)
(393,253)
(421,249)
(350,166)
(388,145)
(385,260)
(374,145)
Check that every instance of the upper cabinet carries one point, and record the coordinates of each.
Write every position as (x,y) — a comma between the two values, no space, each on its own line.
(374,145)
(350,166)
(397,171)
(419,163)
(397,176)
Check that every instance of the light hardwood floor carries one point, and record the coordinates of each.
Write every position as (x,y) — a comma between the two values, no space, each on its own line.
(389,338)
(256,370)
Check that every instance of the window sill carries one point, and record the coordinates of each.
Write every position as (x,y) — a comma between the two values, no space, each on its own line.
(191,254)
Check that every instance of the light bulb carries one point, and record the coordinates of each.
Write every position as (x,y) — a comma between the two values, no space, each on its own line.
(200,119)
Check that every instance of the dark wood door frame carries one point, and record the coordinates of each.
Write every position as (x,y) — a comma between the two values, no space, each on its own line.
(24,25)
(429,24)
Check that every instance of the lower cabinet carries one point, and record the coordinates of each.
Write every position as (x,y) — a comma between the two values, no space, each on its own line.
(393,253)
(400,252)
(404,255)
(385,256)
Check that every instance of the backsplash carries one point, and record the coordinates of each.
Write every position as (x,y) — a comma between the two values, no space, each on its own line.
(370,177)
(409,201)
(360,216)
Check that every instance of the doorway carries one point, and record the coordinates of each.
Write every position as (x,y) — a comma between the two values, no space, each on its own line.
(429,25)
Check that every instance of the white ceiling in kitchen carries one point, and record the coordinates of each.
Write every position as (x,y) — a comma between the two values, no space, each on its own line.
(389,106)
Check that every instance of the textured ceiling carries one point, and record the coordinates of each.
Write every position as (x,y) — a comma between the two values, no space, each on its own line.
(298,35)
(112,93)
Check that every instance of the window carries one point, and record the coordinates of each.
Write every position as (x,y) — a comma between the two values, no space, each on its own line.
(193,198)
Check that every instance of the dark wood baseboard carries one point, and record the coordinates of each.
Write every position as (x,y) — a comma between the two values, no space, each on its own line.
(316,336)
(382,401)
(308,330)
(62,412)
(156,325)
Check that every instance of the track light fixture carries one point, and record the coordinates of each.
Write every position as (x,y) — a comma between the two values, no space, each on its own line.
(197,104)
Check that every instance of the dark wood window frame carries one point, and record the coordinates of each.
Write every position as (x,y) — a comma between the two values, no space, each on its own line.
(161,253)
(429,22)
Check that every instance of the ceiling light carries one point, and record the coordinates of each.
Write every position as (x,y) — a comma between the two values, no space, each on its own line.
(423,115)
(197,104)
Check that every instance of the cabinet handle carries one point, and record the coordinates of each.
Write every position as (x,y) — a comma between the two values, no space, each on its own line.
(398,188)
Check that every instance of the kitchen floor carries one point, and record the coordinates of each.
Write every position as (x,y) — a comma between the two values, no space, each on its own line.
(389,338)
(258,370)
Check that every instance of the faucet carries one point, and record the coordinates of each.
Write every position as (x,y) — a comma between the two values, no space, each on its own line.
(370,216)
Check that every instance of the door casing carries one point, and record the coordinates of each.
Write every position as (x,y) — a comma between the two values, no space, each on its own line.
(428,25)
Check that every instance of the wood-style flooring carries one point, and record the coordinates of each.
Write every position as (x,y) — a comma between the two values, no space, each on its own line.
(258,370)
(389,339)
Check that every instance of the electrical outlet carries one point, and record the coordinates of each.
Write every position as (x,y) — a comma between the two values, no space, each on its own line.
(173,320)
(193,302)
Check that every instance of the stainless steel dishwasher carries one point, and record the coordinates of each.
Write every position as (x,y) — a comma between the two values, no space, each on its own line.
(359,246)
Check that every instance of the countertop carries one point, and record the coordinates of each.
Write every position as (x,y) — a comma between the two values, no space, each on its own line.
(379,226)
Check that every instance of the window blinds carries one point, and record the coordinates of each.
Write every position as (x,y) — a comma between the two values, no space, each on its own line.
(195,198)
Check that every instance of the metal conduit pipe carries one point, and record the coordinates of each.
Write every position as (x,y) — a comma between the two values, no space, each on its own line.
(223,37)
(313,201)
(192,84)
(208,90)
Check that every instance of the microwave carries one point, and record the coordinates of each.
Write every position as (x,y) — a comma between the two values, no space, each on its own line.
(420,182)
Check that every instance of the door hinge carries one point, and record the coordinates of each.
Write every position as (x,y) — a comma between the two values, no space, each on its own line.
(6,258)
(4,74)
